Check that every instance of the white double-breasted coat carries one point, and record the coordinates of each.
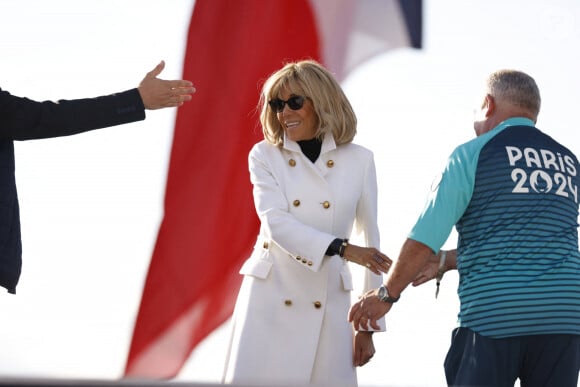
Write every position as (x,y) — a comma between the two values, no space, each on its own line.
(290,321)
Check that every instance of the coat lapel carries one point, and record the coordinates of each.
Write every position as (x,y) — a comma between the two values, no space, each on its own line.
(324,162)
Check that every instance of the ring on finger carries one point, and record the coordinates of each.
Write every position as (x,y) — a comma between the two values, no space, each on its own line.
(378,258)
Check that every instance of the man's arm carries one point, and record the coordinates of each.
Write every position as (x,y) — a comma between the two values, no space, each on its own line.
(414,256)
(24,119)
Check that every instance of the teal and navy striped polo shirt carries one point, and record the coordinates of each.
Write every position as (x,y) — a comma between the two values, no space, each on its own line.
(512,194)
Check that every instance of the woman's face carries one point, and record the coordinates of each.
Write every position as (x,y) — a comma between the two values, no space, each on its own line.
(300,124)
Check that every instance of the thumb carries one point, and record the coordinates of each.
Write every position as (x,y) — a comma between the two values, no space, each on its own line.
(157,70)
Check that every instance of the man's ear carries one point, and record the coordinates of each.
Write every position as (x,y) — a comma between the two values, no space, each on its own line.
(489,105)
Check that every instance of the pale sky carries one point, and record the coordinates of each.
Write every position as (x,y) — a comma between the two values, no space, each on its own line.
(91,204)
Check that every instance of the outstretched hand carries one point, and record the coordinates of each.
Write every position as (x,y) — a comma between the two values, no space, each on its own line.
(159,93)
(368,257)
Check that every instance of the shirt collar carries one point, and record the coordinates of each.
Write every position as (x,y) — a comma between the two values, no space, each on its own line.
(514,121)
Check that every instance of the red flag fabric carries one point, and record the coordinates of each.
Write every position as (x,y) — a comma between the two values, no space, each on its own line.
(209,225)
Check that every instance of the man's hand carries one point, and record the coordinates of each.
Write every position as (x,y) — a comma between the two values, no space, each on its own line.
(368,310)
(158,93)
(428,272)
(432,267)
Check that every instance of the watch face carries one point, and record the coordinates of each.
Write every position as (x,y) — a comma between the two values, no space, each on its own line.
(384,295)
(382,291)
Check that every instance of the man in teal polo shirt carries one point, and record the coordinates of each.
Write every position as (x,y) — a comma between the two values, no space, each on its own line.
(512,194)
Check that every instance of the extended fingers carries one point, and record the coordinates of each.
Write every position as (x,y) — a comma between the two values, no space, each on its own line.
(179,83)
(355,313)
(177,95)
(359,317)
(378,262)
(420,279)
(374,324)
(363,357)
(363,322)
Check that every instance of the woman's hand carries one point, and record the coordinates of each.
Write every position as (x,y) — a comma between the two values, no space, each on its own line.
(368,257)
(364,348)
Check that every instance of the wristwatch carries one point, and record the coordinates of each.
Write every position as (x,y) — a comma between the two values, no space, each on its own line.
(384,295)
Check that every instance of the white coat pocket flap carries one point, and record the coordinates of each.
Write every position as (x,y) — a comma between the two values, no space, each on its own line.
(346,279)
(256,267)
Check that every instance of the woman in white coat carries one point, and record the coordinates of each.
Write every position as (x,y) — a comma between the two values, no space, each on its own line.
(312,185)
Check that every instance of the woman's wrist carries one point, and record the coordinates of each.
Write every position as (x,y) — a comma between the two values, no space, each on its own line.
(337,247)
(342,249)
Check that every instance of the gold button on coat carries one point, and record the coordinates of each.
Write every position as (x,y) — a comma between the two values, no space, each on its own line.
(330,163)
(265,245)
(296,203)
(317,304)
(292,162)
(309,263)
(326,204)
(287,302)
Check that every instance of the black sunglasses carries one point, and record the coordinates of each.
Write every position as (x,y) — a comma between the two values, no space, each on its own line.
(295,103)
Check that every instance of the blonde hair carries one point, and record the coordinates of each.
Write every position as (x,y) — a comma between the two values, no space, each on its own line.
(308,79)
(516,88)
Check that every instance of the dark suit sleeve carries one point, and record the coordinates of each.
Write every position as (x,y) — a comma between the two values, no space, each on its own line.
(24,119)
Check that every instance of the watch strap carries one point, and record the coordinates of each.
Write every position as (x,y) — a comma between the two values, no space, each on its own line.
(384,295)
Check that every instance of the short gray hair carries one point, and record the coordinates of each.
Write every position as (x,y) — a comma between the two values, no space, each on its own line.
(516,88)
